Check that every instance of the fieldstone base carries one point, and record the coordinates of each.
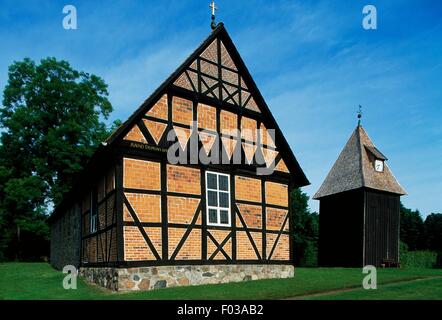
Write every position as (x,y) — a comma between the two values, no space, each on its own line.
(147,278)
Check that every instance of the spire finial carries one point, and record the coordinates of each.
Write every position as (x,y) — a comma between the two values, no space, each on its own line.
(214,8)
(359,115)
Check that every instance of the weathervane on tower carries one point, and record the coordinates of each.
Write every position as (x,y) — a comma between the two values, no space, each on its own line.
(359,115)
(214,8)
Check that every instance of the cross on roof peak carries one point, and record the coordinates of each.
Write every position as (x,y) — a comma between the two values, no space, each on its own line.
(359,115)
(214,8)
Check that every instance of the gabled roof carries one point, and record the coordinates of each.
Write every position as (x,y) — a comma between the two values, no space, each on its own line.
(354,169)
(298,176)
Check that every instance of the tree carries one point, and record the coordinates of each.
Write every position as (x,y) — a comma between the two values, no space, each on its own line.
(412,231)
(433,231)
(305,229)
(52,119)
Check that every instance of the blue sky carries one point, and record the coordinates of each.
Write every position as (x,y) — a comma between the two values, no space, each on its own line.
(312,60)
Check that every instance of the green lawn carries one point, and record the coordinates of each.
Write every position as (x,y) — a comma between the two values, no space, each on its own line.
(40,281)
(428,289)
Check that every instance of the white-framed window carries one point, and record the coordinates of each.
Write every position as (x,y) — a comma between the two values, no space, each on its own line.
(93,214)
(218,198)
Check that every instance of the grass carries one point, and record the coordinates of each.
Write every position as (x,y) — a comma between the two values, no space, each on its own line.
(428,289)
(40,281)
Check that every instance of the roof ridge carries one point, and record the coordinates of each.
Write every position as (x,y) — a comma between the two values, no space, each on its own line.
(358,135)
(154,93)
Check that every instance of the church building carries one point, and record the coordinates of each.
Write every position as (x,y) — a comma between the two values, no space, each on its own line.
(154,208)
(359,210)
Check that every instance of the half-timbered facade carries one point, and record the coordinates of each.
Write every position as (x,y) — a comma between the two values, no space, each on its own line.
(199,176)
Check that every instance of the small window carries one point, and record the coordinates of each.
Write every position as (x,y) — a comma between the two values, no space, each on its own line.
(93,213)
(218,199)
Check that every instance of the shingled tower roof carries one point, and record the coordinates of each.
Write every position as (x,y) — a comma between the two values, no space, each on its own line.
(354,169)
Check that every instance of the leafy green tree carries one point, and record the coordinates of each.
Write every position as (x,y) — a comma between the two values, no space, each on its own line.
(305,230)
(412,231)
(52,119)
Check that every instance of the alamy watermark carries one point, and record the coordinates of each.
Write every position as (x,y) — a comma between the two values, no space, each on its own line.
(249,140)
(70,280)
(370,20)
(370,281)
(70,19)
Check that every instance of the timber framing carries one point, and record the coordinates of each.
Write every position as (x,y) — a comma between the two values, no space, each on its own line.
(260,227)
(169,258)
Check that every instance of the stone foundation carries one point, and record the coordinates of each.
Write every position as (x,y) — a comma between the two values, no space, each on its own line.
(148,278)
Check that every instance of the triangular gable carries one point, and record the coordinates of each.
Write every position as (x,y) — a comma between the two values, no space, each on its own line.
(216,70)
(214,73)
(155,106)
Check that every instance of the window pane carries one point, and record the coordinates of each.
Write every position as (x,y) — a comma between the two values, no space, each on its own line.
(224,216)
(212,216)
(224,199)
(211,181)
(212,198)
(223,183)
